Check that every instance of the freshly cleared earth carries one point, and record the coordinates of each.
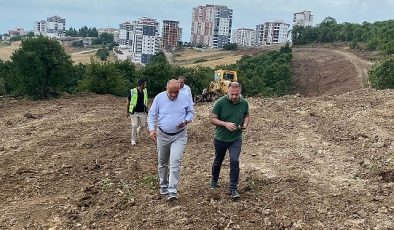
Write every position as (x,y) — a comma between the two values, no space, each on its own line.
(320,159)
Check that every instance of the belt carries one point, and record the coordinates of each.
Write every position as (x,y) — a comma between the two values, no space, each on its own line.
(171,134)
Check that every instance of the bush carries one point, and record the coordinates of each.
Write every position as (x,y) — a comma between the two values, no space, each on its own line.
(104,78)
(230,46)
(102,54)
(381,76)
(77,44)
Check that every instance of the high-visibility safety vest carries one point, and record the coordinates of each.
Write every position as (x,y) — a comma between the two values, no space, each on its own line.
(134,96)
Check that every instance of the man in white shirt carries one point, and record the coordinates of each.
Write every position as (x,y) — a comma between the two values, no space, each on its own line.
(168,117)
(184,89)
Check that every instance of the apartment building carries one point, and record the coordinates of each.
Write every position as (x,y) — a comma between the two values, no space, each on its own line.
(140,38)
(171,34)
(211,26)
(272,33)
(54,27)
(244,37)
(304,18)
(40,28)
(16,32)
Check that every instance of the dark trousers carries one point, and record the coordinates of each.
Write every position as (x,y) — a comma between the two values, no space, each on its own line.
(234,149)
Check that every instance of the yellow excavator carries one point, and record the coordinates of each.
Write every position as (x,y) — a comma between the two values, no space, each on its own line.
(219,86)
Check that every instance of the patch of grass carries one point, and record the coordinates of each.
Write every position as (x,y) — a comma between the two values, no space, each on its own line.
(106,184)
(127,190)
(150,181)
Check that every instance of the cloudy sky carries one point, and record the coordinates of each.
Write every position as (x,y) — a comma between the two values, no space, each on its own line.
(246,13)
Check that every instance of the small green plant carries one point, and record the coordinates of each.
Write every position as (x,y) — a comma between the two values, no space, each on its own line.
(106,184)
(150,181)
(127,190)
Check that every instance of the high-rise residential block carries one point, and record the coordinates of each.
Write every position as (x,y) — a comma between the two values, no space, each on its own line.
(141,38)
(304,18)
(272,33)
(54,27)
(171,35)
(211,26)
(244,37)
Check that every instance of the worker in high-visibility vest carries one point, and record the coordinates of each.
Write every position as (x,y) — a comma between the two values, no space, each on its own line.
(137,102)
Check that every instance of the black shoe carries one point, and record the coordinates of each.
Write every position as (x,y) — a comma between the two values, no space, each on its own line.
(234,194)
(214,185)
(163,191)
(172,197)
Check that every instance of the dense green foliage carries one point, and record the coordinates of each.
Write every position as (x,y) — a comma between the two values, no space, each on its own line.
(157,73)
(77,44)
(381,76)
(230,46)
(376,36)
(40,68)
(82,32)
(104,39)
(104,78)
(266,74)
(5,77)
(102,53)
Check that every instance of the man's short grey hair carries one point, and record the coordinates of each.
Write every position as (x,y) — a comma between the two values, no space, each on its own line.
(182,77)
(235,85)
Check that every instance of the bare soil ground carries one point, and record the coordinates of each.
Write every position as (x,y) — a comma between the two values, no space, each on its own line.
(321,162)
(6,50)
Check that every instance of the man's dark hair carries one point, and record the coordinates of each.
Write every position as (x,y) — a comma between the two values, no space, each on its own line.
(141,82)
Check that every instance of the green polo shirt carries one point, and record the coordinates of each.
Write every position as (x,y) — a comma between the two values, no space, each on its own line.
(229,112)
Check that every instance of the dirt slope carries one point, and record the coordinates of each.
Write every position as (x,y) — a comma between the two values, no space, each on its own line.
(324,162)
(319,71)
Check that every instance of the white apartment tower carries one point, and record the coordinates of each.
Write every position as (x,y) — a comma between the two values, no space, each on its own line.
(244,37)
(304,18)
(141,38)
(211,26)
(272,33)
(40,28)
(54,27)
(171,35)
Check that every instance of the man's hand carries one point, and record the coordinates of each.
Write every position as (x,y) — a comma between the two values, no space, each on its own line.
(153,135)
(231,126)
(182,124)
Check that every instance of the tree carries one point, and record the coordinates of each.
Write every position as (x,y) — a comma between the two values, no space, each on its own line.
(41,67)
(71,32)
(127,69)
(157,73)
(5,77)
(104,78)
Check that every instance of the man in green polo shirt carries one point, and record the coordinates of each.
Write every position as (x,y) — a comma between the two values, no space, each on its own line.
(230,114)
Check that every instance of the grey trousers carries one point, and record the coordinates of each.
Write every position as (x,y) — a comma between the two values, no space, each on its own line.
(138,121)
(170,151)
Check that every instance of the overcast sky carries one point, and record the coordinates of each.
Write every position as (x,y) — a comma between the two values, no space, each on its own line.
(246,13)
